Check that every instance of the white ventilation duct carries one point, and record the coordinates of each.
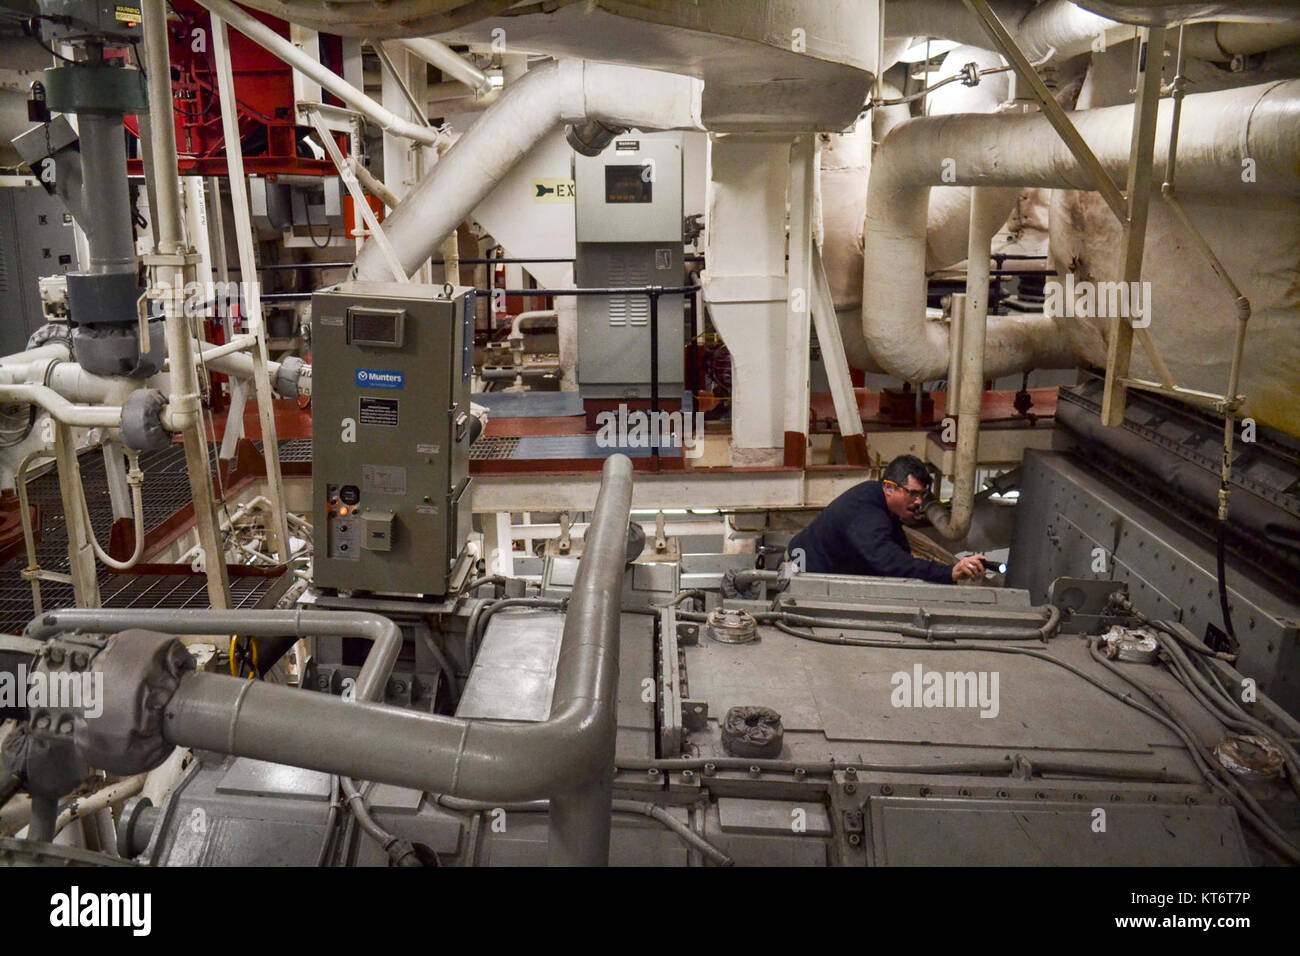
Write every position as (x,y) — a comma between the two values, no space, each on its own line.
(570,91)
(1063,30)
(1013,150)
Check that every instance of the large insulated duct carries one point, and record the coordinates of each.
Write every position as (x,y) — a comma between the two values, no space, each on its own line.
(1059,30)
(570,91)
(1015,150)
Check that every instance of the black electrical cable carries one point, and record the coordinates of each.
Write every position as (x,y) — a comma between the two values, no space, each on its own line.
(1220,548)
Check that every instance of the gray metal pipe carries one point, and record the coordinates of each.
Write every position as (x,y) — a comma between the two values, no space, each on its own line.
(385,635)
(106,199)
(571,751)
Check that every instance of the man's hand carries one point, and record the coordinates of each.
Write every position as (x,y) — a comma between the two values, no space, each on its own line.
(969,568)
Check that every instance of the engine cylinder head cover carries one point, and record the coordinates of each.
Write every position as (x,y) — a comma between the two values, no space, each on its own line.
(752,732)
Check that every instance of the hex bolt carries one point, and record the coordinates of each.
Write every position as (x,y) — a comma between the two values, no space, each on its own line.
(755,772)
(855,839)
(42,722)
(322,682)
(56,655)
(925,791)
(851,773)
(79,660)
(800,773)
(1002,794)
(963,792)
(710,769)
(886,789)
(850,788)
(688,775)
(653,773)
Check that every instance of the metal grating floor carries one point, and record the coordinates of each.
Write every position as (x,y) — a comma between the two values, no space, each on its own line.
(292,449)
(166,491)
(493,449)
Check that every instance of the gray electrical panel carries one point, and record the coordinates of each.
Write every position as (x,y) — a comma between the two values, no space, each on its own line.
(391,434)
(628,229)
(37,239)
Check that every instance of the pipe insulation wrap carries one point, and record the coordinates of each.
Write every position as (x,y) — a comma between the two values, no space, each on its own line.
(570,91)
(1019,150)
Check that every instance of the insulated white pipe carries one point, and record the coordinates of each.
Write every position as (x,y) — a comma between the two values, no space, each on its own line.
(1058,30)
(269,40)
(62,410)
(570,91)
(447,60)
(51,350)
(1020,150)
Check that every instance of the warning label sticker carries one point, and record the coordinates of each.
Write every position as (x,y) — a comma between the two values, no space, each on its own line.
(377,411)
(383,480)
(126,14)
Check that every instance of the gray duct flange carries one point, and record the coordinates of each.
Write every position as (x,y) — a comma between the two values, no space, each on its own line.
(140,672)
(142,427)
(287,376)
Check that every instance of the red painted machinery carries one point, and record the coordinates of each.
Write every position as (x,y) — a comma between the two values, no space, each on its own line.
(268,128)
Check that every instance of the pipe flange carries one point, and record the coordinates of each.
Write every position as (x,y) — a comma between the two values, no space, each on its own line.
(1136,645)
(728,626)
(138,673)
(142,427)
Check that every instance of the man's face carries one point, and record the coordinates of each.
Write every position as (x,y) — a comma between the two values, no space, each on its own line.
(905,501)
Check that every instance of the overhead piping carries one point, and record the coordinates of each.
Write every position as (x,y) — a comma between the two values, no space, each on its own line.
(272,42)
(451,63)
(570,91)
(1015,150)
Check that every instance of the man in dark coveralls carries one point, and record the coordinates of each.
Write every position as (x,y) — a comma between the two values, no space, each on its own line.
(860,532)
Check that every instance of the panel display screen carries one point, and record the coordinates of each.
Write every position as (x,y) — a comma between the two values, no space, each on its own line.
(375,326)
(630,183)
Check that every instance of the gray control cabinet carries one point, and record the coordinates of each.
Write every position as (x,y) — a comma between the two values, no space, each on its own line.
(628,209)
(391,367)
(37,239)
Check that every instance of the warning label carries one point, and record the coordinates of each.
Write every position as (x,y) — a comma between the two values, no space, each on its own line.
(378,411)
(126,14)
(383,480)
